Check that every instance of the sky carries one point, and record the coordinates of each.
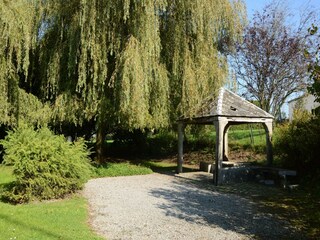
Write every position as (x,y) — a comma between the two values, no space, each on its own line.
(294,5)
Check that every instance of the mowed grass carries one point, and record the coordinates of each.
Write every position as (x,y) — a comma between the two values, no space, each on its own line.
(121,169)
(64,219)
(243,137)
(240,137)
(61,219)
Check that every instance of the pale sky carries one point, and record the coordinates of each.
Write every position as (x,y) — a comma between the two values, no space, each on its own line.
(294,5)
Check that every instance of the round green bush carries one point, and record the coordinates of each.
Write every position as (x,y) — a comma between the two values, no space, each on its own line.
(45,165)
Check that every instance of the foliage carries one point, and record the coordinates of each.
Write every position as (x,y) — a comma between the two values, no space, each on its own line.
(137,143)
(269,62)
(314,67)
(110,49)
(18,20)
(129,64)
(31,111)
(132,64)
(298,144)
(46,166)
(195,36)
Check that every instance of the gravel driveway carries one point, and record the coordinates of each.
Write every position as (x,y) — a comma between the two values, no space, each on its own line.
(160,206)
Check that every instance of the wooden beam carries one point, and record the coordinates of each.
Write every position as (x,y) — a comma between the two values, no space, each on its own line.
(181,127)
(220,125)
(268,128)
(226,143)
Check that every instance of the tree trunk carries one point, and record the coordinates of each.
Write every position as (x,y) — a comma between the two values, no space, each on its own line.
(101,132)
(100,141)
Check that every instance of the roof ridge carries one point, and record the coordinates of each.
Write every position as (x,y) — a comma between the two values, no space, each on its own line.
(253,105)
(220,100)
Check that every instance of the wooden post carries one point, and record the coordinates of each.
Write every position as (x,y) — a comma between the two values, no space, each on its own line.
(226,144)
(268,129)
(220,125)
(181,127)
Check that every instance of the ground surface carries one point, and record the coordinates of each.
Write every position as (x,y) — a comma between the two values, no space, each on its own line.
(166,206)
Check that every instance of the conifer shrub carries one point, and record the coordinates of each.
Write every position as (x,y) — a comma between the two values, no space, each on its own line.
(45,165)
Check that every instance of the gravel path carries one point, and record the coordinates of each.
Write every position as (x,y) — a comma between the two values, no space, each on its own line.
(159,206)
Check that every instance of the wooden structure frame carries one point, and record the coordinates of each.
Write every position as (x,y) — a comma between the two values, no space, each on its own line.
(224,111)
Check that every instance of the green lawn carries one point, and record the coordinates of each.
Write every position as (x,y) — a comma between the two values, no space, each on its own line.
(240,137)
(62,219)
(243,137)
(121,169)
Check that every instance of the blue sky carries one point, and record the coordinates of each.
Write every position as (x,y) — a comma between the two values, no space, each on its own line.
(294,5)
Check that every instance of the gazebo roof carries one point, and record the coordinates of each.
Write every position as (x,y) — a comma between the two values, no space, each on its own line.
(230,105)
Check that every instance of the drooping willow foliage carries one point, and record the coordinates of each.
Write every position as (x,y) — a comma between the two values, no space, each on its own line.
(135,61)
(196,34)
(105,57)
(18,27)
(128,63)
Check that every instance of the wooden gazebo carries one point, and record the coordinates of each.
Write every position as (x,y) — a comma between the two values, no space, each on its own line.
(223,111)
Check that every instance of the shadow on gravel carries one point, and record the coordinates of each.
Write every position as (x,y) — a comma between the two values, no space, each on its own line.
(197,201)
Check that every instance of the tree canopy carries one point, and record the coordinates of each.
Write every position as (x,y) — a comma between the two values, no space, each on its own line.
(128,63)
(18,21)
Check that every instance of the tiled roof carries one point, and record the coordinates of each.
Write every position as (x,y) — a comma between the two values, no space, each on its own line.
(229,104)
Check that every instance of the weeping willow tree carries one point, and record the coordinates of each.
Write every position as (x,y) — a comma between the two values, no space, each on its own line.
(131,63)
(102,60)
(18,38)
(197,35)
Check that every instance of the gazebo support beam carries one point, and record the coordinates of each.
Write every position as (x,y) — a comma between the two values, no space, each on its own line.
(181,127)
(268,129)
(226,143)
(220,125)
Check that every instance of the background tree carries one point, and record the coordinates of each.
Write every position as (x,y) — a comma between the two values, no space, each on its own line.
(312,55)
(269,63)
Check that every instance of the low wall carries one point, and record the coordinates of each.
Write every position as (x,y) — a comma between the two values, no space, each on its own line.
(259,174)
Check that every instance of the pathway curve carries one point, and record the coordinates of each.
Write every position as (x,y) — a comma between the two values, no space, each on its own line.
(160,206)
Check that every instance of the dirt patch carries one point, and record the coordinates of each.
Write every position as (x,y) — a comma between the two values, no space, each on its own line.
(194,158)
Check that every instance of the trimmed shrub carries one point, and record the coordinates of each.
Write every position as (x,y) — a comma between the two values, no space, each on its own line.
(298,144)
(45,165)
